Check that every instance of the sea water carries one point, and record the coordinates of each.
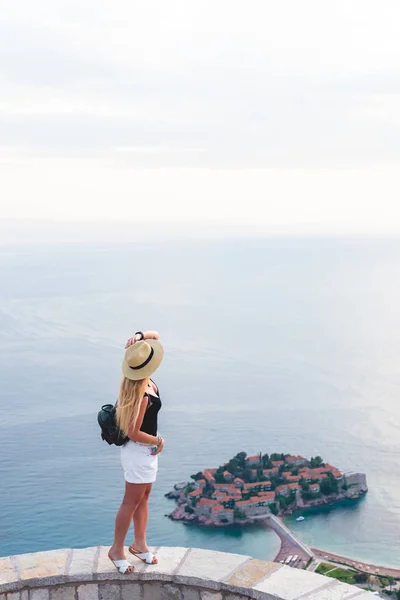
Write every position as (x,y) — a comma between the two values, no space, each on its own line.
(288,345)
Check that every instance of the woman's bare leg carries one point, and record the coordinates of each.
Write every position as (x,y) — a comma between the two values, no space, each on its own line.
(140,523)
(133,495)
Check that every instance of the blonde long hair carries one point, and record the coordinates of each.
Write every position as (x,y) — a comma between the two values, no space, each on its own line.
(129,400)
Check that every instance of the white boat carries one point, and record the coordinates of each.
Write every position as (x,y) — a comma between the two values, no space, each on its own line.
(300,519)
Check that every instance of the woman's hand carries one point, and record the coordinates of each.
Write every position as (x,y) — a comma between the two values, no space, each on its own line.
(148,335)
(160,447)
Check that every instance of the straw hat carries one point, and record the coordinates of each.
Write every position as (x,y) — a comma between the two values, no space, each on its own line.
(142,359)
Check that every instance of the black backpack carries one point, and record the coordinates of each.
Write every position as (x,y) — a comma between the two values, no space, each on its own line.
(110,431)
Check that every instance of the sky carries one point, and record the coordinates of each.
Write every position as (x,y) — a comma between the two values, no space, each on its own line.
(270,116)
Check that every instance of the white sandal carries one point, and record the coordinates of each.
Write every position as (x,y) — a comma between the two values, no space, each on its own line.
(146,557)
(122,566)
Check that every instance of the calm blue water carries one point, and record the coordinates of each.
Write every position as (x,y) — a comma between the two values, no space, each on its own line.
(282,345)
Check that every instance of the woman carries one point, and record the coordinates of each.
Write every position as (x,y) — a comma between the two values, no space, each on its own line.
(137,410)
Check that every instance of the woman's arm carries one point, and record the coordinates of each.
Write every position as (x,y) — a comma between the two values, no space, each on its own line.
(134,432)
(148,335)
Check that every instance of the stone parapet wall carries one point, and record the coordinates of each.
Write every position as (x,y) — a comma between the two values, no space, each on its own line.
(182,574)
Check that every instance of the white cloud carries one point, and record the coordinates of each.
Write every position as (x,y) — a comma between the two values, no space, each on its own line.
(282,114)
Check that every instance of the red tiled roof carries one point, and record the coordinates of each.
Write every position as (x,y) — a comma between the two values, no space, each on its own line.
(267,495)
(207,474)
(277,463)
(294,486)
(195,493)
(253,458)
(207,502)
(281,488)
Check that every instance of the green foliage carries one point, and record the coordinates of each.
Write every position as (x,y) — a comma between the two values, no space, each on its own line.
(329,485)
(188,509)
(307,495)
(238,514)
(324,568)
(266,462)
(274,509)
(219,478)
(228,503)
(361,577)
(304,485)
(247,475)
(197,476)
(398,594)
(233,466)
(190,488)
(341,574)
(241,458)
(277,456)
(316,462)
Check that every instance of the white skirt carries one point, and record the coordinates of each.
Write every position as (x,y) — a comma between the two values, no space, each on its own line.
(139,464)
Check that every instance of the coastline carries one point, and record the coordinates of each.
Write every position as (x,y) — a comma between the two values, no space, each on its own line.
(369,568)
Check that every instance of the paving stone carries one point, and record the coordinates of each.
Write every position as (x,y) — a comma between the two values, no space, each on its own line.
(171,592)
(150,571)
(90,591)
(8,574)
(62,593)
(363,595)
(82,564)
(209,565)
(335,590)
(40,594)
(42,564)
(106,570)
(131,591)
(290,583)
(207,595)
(235,597)
(190,593)
(110,591)
(168,559)
(152,591)
(250,572)
(10,596)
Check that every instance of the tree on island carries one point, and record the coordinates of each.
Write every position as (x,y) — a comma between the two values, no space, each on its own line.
(329,485)
(233,466)
(316,462)
(274,509)
(238,514)
(197,476)
(277,456)
(241,458)
(266,462)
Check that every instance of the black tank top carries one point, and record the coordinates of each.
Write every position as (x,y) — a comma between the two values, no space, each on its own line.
(150,418)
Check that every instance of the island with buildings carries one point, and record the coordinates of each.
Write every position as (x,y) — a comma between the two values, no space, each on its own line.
(249,489)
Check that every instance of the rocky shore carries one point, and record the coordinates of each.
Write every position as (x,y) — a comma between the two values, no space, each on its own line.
(183,512)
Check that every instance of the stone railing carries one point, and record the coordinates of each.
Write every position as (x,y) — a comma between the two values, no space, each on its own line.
(182,574)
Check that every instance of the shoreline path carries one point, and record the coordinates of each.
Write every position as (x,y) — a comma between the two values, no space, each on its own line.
(369,568)
(291,545)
